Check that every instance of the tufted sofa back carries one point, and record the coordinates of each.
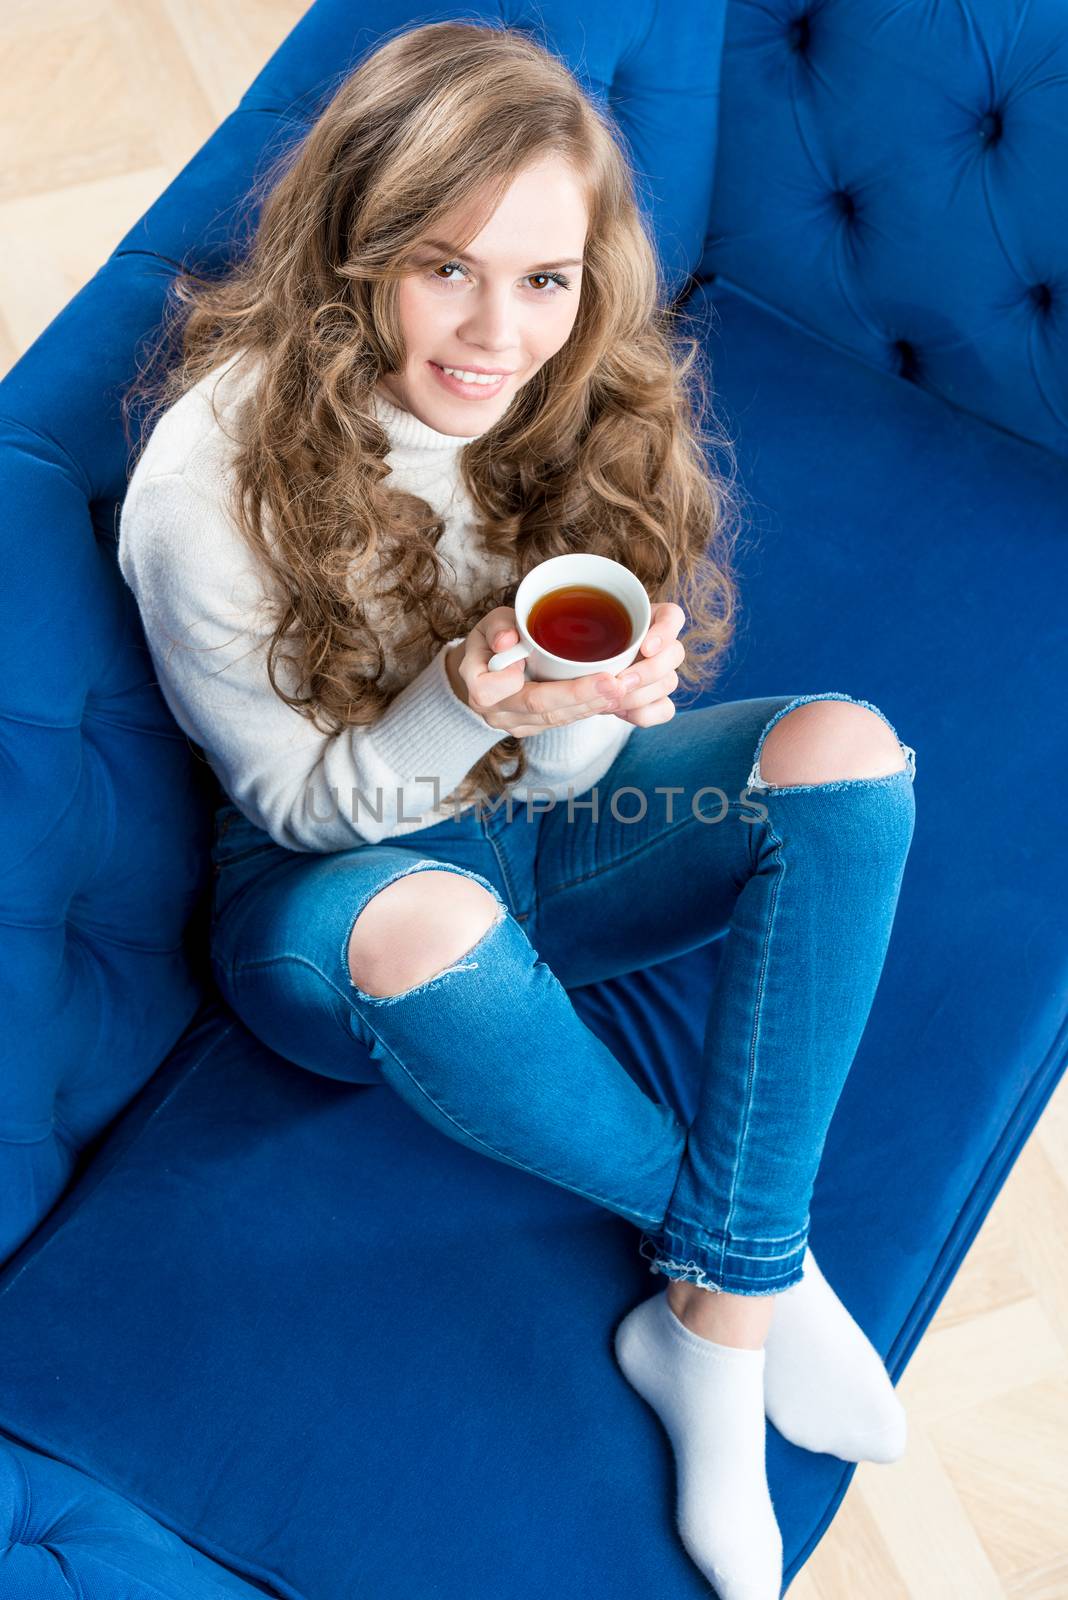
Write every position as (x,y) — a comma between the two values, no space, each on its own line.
(885,178)
(106,809)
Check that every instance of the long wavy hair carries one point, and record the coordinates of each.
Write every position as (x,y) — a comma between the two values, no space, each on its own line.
(602,450)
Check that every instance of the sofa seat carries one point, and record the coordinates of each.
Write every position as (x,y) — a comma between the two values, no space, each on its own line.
(341,1354)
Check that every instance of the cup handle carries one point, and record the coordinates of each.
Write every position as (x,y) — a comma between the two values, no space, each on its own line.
(505,658)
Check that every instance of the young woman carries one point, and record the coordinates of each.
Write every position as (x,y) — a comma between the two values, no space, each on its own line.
(446,358)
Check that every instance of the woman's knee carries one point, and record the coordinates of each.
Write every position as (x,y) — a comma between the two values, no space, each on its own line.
(824,741)
(416,927)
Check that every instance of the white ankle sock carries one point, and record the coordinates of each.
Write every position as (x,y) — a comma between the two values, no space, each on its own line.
(710,1399)
(825,1385)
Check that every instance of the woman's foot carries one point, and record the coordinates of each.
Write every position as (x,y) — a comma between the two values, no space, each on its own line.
(709,1397)
(825,1385)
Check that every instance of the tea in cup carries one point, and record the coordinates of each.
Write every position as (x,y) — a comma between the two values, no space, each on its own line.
(577,614)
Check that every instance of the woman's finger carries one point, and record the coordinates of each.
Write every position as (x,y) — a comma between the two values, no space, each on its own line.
(648,694)
(542,699)
(486,688)
(646,673)
(648,716)
(669,619)
(665,623)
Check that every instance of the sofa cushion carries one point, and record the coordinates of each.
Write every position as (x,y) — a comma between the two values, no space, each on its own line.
(302,1327)
(892,179)
(62,1533)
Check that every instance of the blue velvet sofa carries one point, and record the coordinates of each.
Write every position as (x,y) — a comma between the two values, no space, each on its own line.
(249,1345)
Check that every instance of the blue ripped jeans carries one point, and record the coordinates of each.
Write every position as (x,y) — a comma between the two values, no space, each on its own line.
(680,841)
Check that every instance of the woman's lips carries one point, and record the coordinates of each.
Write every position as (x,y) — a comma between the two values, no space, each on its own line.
(468,391)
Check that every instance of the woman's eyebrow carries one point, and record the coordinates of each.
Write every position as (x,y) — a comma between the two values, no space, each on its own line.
(474,261)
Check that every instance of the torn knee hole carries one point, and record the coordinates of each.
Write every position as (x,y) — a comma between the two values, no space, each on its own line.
(816,742)
(391,950)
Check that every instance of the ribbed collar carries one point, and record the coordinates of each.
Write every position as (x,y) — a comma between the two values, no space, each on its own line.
(407,432)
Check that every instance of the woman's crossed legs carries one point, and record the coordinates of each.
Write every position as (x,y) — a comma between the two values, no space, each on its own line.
(783,826)
(715,821)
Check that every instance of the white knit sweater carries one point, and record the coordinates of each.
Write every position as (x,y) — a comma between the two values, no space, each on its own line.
(197,586)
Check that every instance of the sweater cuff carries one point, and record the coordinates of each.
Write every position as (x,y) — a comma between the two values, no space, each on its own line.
(563,755)
(428,731)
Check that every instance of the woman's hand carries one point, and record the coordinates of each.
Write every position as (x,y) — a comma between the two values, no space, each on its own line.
(647,701)
(507,699)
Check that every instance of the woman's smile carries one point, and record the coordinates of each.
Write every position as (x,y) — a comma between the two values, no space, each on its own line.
(475,388)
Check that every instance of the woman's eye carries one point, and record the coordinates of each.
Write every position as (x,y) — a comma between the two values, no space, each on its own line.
(556,279)
(448,266)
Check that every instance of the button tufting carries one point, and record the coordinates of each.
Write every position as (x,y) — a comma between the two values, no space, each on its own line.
(990,127)
(799,34)
(1041,295)
(908,363)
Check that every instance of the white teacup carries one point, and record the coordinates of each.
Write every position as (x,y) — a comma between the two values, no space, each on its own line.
(559,572)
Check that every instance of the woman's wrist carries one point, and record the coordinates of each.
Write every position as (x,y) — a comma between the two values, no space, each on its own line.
(453,654)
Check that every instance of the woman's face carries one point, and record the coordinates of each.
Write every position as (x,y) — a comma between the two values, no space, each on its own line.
(506,305)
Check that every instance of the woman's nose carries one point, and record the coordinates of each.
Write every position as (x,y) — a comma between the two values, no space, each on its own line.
(492,324)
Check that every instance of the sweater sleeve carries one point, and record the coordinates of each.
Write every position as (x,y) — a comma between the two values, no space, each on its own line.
(576,755)
(198,587)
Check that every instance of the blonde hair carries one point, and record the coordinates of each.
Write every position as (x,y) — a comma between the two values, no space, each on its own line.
(601,450)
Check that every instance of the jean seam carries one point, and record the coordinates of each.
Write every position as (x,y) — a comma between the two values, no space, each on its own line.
(765,957)
(765,1281)
(715,1239)
(509,885)
(703,1233)
(267,961)
(218,964)
(742,1255)
(243,855)
(733,808)
(654,1247)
